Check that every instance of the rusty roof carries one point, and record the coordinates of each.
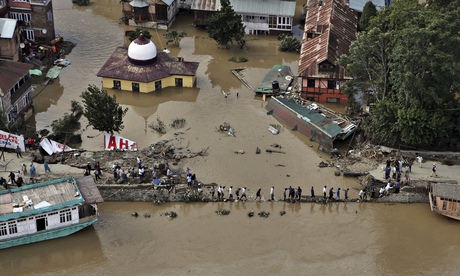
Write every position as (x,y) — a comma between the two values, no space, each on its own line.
(11,72)
(206,5)
(119,67)
(332,26)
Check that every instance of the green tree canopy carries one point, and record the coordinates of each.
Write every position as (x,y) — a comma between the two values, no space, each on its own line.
(290,44)
(137,32)
(225,26)
(408,61)
(369,11)
(64,127)
(102,111)
(175,36)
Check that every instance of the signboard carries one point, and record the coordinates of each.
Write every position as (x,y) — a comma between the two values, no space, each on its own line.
(51,146)
(115,142)
(11,141)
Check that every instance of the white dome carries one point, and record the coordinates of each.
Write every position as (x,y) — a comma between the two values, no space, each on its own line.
(142,49)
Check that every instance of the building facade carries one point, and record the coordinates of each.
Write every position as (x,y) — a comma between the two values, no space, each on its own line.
(35,17)
(15,91)
(9,39)
(150,13)
(258,16)
(140,68)
(330,27)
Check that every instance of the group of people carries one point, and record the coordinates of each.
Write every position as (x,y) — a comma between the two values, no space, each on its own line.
(18,178)
(332,194)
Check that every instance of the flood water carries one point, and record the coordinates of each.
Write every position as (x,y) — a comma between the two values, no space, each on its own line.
(344,239)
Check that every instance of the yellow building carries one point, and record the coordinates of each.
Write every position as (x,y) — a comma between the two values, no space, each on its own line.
(140,68)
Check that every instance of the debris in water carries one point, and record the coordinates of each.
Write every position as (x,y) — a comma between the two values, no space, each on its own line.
(264,214)
(223,212)
(282,213)
(251,214)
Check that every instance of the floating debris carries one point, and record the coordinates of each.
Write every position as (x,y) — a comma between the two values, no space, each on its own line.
(282,213)
(257,150)
(146,215)
(159,127)
(178,123)
(280,165)
(323,164)
(134,214)
(170,214)
(264,214)
(239,152)
(223,212)
(276,146)
(251,214)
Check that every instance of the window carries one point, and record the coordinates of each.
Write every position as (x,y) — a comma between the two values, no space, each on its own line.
(333,100)
(10,116)
(19,16)
(65,216)
(116,84)
(157,85)
(3,231)
(28,1)
(29,34)
(12,227)
(49,16)
(26,99)
(310,82)
(135,86)
(179,82)
(263,18)
(330,84)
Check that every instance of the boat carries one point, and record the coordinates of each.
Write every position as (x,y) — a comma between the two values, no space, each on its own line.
(47,210)
(445,199)
(313,120)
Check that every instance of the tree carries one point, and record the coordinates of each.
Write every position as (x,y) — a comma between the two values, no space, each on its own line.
(290,44)
(408,59)
(175,36)
(3,120)
(64,127)
(369,11)
(137,32)
(226,26)
(102,111)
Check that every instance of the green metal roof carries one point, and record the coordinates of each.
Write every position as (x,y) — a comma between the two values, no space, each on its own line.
(323,123)
(276,73)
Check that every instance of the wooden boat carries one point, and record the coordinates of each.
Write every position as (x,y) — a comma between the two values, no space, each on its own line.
(47,210)
(445,199)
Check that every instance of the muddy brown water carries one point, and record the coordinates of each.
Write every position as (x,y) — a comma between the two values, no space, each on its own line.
(345,239)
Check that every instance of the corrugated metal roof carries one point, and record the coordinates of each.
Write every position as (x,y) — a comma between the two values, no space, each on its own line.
(268,7)
(333,28)
(277,73)
(7,27)
(358,5)
(119,67)
(446,190)
(206,5)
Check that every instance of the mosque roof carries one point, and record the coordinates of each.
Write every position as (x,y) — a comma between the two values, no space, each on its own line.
(118,66)
(142,49)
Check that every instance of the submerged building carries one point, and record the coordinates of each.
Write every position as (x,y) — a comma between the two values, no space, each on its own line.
(141,68)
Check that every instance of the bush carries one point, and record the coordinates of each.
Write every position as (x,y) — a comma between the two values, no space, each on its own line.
(290,44)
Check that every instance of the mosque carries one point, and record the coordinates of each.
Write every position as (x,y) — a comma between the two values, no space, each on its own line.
(141,68)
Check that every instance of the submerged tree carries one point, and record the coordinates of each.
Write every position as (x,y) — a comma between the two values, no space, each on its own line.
(174,36)
(290,44)
(102,111)
(65,127)
(225,26)
(137,32)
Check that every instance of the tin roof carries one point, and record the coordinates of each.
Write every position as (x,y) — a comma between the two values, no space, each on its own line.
(11,72)
(119,67)
(332,26)
(41,197)
(268,7)
(280,73)
(446,190)
(206,5)
(319,120)
(88,189)
(7,27)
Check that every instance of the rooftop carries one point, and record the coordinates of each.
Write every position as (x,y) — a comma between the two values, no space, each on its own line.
(11,72)
(329,30)
(119,67)
(38,198)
